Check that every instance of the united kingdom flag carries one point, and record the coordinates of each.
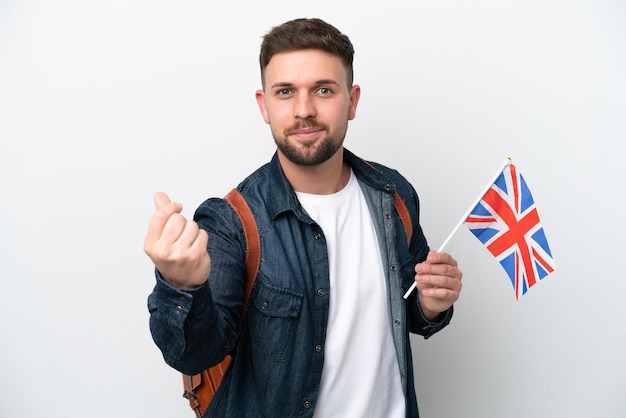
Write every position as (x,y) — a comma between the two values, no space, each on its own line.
(506,221)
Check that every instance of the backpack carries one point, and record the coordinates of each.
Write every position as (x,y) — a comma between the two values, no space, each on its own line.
(201,388)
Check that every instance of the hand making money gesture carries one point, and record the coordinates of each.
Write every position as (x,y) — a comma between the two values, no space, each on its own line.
(176,245)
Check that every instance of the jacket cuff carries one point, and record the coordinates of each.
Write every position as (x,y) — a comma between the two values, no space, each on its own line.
(430,328)
(178,304)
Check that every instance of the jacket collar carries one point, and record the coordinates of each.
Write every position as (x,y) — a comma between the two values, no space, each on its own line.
(282,196)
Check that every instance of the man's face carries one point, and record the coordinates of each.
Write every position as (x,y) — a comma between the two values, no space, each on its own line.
(307,104)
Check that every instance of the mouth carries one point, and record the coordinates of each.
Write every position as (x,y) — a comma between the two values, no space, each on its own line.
(305,133)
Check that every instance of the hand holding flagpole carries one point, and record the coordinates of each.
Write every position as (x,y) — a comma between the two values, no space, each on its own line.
(506,162)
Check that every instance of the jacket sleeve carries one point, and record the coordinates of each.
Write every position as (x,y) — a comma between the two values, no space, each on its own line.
(195,329)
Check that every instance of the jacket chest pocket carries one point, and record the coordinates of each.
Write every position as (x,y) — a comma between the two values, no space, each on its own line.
(272,317)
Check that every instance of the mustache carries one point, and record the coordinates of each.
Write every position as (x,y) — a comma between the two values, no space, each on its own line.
(307,124)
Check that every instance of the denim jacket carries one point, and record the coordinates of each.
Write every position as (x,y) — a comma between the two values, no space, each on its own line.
(278,346)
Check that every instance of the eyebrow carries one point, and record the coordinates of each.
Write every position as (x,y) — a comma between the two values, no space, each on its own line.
(321,82)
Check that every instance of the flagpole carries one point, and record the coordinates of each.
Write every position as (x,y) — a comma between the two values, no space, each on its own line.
(506,162)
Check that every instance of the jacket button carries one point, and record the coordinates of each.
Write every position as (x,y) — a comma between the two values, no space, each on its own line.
(321,292)
(318,236)
(307,404)
(318,348)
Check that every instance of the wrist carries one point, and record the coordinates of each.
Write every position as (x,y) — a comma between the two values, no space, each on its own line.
(429,314)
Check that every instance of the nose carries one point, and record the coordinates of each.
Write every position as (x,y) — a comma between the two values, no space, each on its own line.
(304,107)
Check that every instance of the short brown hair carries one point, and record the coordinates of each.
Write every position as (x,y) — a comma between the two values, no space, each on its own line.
(300,34)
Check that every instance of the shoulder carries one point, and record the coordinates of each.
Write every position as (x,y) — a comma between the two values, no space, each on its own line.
(382,176)
(251,189)
(393,175)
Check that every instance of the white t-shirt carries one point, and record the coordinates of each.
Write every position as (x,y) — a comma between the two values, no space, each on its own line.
(361,376)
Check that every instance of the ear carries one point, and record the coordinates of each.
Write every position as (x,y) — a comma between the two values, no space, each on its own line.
(260,100)
(355,95)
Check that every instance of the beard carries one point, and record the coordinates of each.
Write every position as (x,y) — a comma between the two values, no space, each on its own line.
(315,153)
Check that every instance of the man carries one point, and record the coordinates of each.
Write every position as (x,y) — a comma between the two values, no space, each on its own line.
(326,330)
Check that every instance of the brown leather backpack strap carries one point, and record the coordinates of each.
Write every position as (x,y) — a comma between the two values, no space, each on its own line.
(191,383)
(405,216)
(253,240)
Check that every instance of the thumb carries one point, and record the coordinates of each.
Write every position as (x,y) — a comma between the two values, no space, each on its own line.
(164,209)
(161,199)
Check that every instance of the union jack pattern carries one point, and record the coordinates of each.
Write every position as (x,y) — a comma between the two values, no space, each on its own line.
(506,221)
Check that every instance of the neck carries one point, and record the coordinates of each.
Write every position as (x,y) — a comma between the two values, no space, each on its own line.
(326,178)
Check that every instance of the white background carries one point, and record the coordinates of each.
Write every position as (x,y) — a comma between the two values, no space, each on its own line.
(104,103)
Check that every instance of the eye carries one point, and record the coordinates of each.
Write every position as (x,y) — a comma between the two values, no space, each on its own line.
(324,91)
(283,92)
